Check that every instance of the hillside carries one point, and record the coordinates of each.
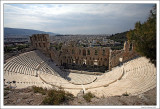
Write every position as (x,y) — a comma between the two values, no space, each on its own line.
(119,37)
(28,97)
(17,32)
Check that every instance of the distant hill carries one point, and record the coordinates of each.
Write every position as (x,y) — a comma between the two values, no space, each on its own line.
(119,37)
(17,32)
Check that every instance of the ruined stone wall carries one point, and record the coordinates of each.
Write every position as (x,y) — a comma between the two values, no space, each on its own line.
(127,53)
(85,55)
(91,56)
(80,56)
(55,56)
(41,42)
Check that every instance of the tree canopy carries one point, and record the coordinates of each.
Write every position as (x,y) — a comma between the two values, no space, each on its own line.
(144,36)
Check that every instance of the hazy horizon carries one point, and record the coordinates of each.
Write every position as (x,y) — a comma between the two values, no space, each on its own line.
(76,18)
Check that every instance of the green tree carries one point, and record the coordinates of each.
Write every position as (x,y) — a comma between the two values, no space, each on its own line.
(144,37)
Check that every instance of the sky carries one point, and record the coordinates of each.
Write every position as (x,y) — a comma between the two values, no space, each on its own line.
(76,18)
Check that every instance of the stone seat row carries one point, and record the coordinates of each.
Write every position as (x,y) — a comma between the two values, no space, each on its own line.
(50,67)
(17,68)
(144,77)
(76,79)
(45,68)
(23,60)
(138,63)
(23,64)
(133,82)
(23,81)
(57,69)
(134,77)
(115,73)
(61,83)
(36,56)
(144,82)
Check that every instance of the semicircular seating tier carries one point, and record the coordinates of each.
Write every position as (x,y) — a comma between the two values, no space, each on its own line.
(34,68)
(139,76)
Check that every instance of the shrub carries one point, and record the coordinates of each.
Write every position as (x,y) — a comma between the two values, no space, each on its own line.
(88,96)
(39,90)
(7,88)
(56,97)
(125,94)
(5,93)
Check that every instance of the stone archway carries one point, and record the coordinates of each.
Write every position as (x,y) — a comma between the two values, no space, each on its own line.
(84,52)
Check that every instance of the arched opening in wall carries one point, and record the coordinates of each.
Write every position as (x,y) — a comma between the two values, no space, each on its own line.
(84,62)
(88,52)
(84,52)
(105,59)
(130,47)
(91,62)
(87,62)
(45,39)
(36,45)
(79,52)
(95,62)
(103,53)
(96,52)
(99,63)
(64,64)
(103,63)
(67,61)
(39,45)
(76,61)
(73,64)
(72,51)
(44,45)
(61,62)
(71,60)
(39,38)
(35,38)
(80,62)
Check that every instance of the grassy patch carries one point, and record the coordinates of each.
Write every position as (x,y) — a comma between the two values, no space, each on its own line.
(53,97)
(79,102)
(125,94)
(88,96)
(7,88)
(6,93)
(56,97)
(39,90)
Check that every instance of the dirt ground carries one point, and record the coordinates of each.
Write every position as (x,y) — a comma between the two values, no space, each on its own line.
(147,98)
(27,97)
